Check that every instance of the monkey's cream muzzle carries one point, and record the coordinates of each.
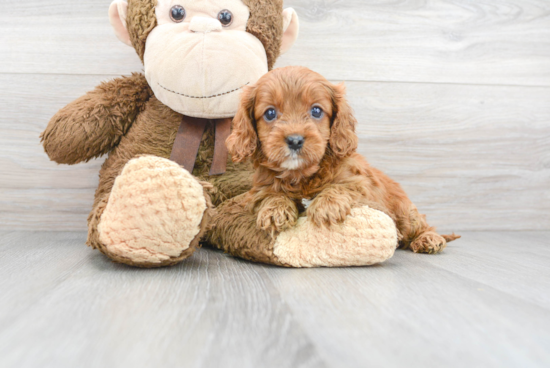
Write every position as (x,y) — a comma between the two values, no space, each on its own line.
(199,68)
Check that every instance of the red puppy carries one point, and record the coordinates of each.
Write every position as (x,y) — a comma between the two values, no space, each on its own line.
(300,131)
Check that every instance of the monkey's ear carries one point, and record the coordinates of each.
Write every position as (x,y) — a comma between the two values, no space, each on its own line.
(118,12)
(291,28)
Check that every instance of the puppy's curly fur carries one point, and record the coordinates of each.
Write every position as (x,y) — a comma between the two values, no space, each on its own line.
(325,168)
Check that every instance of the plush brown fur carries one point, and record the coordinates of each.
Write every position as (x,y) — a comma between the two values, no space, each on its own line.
(122,118)
(266,23)
(328,170)
(140,21)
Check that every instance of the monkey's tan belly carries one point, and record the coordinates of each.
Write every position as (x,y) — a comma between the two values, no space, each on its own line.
(154,133)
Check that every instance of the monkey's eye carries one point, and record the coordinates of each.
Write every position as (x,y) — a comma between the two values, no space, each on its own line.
(225,17)
(177,13)
(270,115)
(317,112)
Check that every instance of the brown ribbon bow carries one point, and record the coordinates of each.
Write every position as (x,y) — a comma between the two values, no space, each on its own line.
(188,141)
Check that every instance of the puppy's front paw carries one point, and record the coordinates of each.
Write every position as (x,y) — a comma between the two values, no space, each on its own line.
(429,242)
(327,211)
(277,214)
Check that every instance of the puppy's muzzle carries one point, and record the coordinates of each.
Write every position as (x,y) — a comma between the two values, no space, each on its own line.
(295,142)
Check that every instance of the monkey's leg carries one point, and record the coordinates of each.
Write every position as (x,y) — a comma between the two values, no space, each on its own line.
(234,231)
(421,237)
(154,216)
(366,237)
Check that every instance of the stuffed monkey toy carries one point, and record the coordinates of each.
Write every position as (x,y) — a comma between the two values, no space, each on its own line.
(168,183)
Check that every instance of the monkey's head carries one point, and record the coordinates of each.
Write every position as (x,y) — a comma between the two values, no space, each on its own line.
(199,54)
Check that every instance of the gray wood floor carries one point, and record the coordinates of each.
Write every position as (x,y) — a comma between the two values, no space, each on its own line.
(484,302)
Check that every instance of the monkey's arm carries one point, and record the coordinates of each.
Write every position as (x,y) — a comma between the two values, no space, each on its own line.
(93,124)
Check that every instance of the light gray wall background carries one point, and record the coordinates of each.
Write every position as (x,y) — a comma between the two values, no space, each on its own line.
(453,99)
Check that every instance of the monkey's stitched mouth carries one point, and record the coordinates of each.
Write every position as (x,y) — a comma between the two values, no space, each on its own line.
(203,97)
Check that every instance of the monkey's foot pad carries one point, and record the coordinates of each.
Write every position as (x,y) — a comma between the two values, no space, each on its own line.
(154,213)
(366,237)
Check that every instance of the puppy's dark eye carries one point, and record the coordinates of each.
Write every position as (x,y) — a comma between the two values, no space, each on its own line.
(316,112)
(225,17)
(270,115)
(177,13)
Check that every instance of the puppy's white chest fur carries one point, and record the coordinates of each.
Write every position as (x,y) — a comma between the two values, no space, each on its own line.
(306,202)
(292,163)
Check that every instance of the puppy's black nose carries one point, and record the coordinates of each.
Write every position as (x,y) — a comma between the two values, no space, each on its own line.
(295,142)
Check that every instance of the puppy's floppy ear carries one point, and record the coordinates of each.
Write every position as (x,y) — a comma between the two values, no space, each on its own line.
(343,139)
(243,141)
